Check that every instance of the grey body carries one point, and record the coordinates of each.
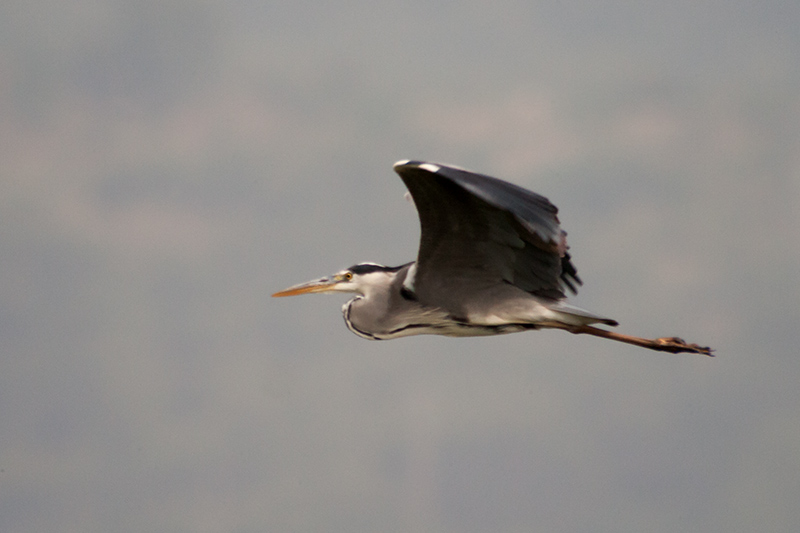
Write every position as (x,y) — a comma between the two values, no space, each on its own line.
(387,310)
(492,259)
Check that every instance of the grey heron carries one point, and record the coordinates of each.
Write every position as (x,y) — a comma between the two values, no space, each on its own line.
(492,259)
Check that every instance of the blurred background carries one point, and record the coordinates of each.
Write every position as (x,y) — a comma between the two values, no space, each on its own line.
(166,166)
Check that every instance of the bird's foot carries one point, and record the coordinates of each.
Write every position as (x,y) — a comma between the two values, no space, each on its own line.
(678,345)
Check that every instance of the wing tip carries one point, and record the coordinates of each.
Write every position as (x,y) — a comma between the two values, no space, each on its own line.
(407,163)
(430,167)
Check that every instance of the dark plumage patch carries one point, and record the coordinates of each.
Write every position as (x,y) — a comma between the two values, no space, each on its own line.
(367,268)
(407,294)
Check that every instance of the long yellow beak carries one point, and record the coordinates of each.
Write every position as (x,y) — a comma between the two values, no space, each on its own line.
(318,285)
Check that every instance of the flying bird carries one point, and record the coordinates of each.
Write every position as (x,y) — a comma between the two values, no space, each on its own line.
(492,259)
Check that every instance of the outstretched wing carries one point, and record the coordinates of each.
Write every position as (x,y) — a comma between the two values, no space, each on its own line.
(479,231)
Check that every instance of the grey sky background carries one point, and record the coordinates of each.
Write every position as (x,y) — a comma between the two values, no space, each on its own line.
(166,166)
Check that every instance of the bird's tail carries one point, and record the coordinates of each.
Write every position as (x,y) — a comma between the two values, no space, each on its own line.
(575,316)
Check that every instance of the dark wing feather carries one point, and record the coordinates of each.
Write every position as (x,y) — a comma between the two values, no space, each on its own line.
(478,231)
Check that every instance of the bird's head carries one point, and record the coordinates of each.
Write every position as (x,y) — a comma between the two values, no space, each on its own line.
(360,278)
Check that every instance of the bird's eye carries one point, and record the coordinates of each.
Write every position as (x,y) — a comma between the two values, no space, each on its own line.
(348,276)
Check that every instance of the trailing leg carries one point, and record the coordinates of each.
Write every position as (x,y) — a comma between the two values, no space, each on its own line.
(663,344)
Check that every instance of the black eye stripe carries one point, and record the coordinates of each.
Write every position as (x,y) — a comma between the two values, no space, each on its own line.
(366,268)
